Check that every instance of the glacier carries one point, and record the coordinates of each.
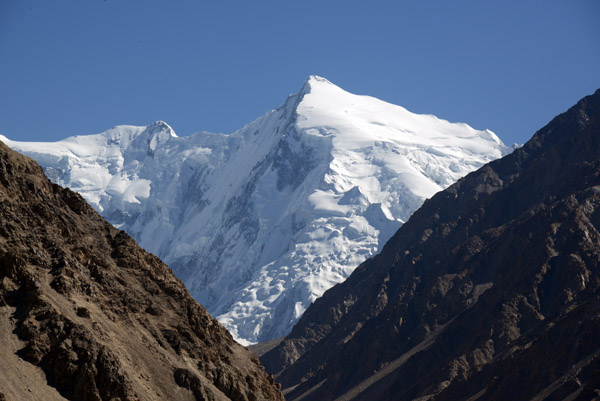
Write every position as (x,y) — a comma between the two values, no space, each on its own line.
(261,222)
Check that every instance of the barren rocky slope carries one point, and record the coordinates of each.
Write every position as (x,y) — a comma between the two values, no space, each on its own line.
(85,314)
(490,291)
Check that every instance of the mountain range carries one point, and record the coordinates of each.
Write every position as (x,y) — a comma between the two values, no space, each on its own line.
(490,291)
(261,222)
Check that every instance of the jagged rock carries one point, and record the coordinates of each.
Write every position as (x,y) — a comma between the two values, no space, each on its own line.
(94,315)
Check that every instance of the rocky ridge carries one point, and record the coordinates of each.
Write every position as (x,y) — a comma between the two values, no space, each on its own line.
(490,291)
(86,314)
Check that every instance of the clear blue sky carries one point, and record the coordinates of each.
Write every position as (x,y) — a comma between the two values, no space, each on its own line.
(83,66)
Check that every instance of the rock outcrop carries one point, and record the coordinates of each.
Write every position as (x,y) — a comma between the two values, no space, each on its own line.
(86,314)
(490,291)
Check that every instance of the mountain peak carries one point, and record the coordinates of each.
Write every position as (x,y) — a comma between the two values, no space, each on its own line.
(234,214)
(318,79)
(314,82)
(157,134)
(161,126)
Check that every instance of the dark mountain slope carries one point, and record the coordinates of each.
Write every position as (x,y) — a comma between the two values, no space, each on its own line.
(491,290)
(94,316)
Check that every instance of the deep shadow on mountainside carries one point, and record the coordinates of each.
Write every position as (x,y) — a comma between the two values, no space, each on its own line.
(88,315)
(490,291)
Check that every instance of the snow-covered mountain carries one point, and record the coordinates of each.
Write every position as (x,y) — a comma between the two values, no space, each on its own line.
(260,222)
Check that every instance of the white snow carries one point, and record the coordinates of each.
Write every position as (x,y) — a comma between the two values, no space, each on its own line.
(261,222)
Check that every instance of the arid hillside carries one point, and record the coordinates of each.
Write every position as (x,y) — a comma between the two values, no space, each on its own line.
(86,314)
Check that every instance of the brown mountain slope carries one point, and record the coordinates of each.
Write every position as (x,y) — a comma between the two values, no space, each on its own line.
(85,314)
(490,291)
